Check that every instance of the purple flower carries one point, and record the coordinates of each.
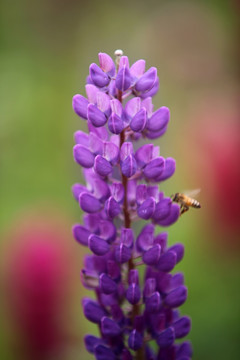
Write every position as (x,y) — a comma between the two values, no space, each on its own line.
(122,176)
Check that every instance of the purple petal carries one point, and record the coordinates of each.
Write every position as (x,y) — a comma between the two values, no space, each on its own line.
(145,238)
(144,155)
(98,245)
(89,203)
(132,107)
(103,103)
(135,340)
(111,152)
(169,170)
(106,63)
(107,285)
(102,352)
(100,189)
(139,121)
(137,69)
(159,119)
(92,310)
(156,134)
(182,327)
(77,189)
(117,191)
(154,168)
(167,261)
(81,234)
(179,250)
(146,209)
(184,350)
(149,287)
(129,166)
(133,277)
(162,209)
(133,294)
(99,77)
(123,79)
(92,91)
(102,166)
(101,132)
(122,254)
(153,303)
(81,138)
(148,105)
(126,150)
(151,256)
(124,62)
(109,327)
(176,297)
(127,237)
(161,239)
(172,217)
(147,81)
(141,193)
(96,116)
(107,230)
(91,342)
(152,91)
(115,124)
(126,355)
(83,156)
(95,144)
(113,269)
(166,338)
(112,208)
(80,104)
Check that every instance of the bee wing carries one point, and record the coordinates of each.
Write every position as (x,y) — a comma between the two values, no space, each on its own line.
(192,193)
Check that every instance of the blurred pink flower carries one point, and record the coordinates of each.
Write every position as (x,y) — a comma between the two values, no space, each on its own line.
(37,273)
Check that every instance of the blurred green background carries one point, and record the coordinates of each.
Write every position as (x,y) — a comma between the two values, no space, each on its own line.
(45,50)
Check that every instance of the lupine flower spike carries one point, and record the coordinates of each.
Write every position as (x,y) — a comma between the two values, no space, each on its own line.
(133,308)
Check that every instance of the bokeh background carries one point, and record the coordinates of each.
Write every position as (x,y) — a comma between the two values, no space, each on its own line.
(45,49)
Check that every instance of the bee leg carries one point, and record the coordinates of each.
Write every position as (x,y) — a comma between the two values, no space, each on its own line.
(184,208)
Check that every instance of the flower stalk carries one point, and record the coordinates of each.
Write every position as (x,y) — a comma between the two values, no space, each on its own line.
(122,177)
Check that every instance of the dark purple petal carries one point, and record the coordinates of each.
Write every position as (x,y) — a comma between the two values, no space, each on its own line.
(126,355)
(89,203)
(133,294)
(184,350)
(98,245)
(159,119)
(91,342)
(166,338)
(172,217)
(167,261)
(77,189)
(109,327)
(99,77)
(113,269)
(135,340)
(80,104)
(107,285)
(96,116)
(146,209)
(102,166)
(115,124)
(153,302)
(182,327)
(81,138)
(167,353)
(149,287)
(156,134)
(152,256)
(129,166)
(145,238)
(81,234)
(107,230)
(106,63)
(176,281)
(161,239)
(176,297)
(127,237)
(162,209)
(123,79)
(102,352)
(112,208)
(133,277)
(100,189)
(179,250)
(92,310)
(141,193)
(169,170)
(147,80)
(152,91)
(139,120)
(83,156)
(154,168)
(122,253)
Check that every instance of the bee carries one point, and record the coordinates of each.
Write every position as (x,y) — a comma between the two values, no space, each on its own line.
(186,201)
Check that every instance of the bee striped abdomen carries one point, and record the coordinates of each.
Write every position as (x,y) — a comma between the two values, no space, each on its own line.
(195,204)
